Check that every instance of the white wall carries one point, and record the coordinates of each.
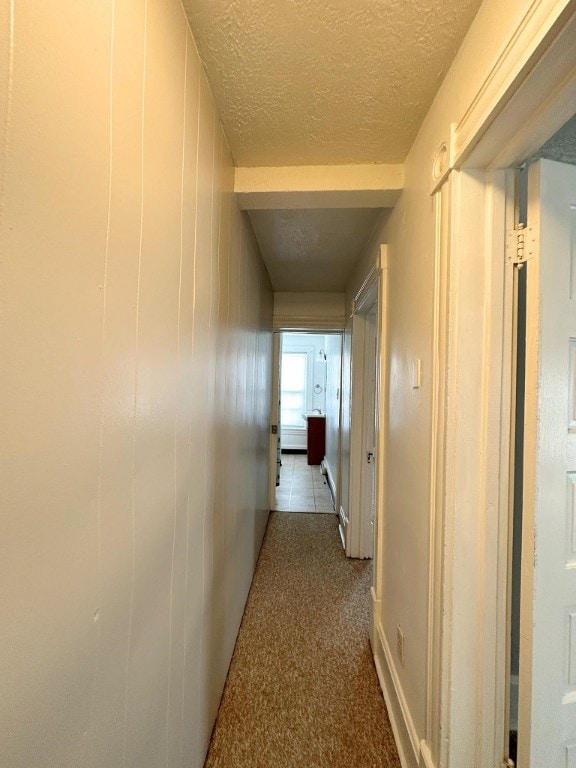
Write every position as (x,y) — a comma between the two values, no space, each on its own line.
(135,319)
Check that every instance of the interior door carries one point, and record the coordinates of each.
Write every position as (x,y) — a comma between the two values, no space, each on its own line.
(368,510)
(547,691)
(357,530)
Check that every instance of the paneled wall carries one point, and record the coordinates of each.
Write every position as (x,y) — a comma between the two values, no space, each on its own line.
(135,330)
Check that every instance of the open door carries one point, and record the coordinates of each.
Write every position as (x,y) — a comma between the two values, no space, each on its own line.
(357,529)
(368,491)
(547,688)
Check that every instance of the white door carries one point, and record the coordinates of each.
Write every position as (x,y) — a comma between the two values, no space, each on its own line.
(368,505)
(357,529)
(547,692)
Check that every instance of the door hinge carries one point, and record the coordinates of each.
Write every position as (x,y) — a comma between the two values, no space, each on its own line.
(274,429)
(519,245)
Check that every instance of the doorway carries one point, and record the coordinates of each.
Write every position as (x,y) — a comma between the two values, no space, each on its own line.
(357,526)
(542,660)
(308,370)
(517,485)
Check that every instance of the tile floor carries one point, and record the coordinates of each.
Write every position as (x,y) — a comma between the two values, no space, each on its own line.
(302,488)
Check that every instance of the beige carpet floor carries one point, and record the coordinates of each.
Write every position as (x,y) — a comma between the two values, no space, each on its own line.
(302,689)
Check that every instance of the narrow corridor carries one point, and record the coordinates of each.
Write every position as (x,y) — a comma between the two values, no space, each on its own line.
(302,688)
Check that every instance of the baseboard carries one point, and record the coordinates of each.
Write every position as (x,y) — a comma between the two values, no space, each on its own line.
(341,532)
(330,481)
(293,439)
(376,611)
(426,755)
(403,727)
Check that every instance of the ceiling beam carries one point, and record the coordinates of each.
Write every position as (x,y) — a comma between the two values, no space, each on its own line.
(319,186)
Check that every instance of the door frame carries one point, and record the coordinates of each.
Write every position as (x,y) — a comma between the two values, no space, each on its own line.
(359,534)
(279,329)
(500,128)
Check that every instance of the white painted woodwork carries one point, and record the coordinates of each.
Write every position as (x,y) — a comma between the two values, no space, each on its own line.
(350,526)
(135,329)
(547,706)
(369,418)
(357,526)
(362,409)
(501,127)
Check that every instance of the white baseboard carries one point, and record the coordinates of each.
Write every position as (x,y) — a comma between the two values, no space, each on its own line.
(426,755)
(341,532)
(293,439)
(403,726)
(331,483)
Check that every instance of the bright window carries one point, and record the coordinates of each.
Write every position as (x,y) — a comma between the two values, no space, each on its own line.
(293,389)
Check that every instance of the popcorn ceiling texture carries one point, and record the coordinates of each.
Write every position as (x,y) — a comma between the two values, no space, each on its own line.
(329,81)
(561,147)
(313,249)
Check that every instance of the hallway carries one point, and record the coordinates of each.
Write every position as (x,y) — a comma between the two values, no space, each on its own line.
(181,182)
(302,688)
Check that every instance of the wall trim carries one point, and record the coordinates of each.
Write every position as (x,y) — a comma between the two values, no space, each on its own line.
(330,481)
(437,606)
(539,106)
(442,162)
(403,726)
(368,290)
(515,62)
(342,525)
(426,755)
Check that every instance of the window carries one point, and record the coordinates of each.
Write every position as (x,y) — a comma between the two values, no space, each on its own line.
(293,389)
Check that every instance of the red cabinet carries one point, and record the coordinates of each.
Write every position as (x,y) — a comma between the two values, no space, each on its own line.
(316,439)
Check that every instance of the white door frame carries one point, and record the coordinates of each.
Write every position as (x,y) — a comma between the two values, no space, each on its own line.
(527,96)
(308,327)
(360,529)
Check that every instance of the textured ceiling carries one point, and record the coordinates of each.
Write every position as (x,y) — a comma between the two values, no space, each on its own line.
(561,147)
(306,82)
(314,249)
(323,82)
